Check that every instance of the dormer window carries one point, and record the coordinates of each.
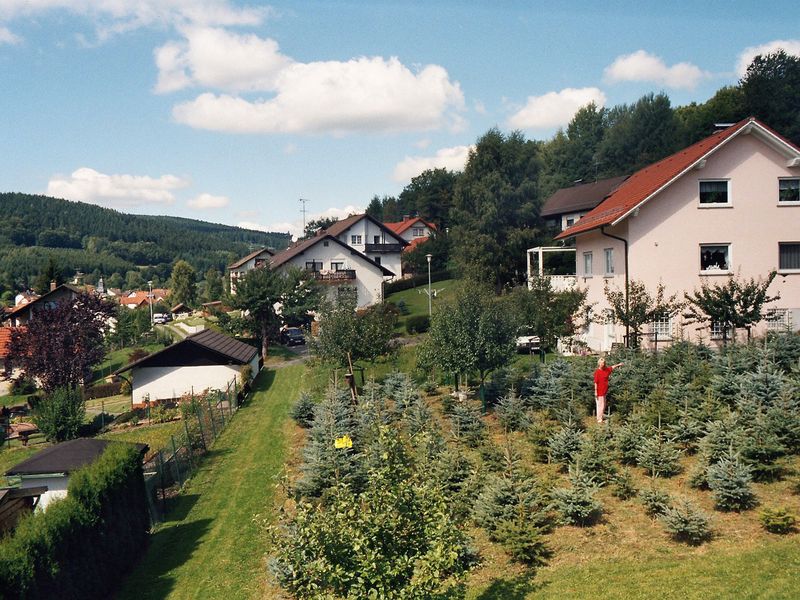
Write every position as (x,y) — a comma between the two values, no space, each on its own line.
(715,193)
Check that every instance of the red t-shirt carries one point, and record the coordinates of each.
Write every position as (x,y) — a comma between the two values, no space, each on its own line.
(601,380)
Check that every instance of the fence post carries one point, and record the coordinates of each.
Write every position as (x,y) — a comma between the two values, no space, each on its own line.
(200,425)
(161,479)
(211,414)
(176,460)
(221,412)
(189,446)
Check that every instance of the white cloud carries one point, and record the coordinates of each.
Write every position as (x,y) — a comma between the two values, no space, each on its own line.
(295,228)
(748,54)
(118,16)
(359,95)
(207,201)
(7,37)
(555,109)
(453,159)
(646,67)
(88,185)
(216,58)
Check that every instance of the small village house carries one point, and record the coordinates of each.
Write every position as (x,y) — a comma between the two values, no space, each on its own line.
(206,360)
(254,260)
(414,230)
(372,239)
(52,467)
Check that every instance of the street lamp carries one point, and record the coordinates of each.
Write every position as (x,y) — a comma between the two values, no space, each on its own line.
(430,310)
(150,301)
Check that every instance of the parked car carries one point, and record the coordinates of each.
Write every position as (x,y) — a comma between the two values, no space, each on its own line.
(292,336)
(161,318)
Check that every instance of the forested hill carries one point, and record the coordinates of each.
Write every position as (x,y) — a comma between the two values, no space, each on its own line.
(101,241)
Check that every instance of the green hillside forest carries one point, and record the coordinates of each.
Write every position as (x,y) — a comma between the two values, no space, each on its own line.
(36,231)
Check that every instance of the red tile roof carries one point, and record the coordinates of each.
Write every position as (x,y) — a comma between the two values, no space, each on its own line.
(647,182)
(414,243)
(5,340)
(400,226)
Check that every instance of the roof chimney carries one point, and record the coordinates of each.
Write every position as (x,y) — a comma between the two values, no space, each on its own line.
(53,285)
(722,126)
(406,218)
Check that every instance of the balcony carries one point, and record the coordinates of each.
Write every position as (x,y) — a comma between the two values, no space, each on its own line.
(335,276)
(378,248)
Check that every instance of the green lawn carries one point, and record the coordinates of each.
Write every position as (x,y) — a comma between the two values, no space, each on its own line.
(212,547)
(416,300)
(155,436)
(11,400)
(113,405)
(770,571)
(119,358)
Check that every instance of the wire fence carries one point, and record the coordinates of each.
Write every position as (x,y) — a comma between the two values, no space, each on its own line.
(204,417)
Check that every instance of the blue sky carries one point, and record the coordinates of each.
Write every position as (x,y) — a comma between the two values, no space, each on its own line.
(231,111)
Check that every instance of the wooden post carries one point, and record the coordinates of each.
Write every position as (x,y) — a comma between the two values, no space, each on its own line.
(211,414)
(351,379)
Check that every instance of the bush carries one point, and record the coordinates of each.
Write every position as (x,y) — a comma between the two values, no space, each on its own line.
(161,413)
(137,354)
(418,324)
(416,280)
(729,481)
(103,390)
(687,523)
(59,416)
(659,457)
(524,542)
(577,505)
(79,546)
(22,385)
(303,410)
(656,502)
(623,486)
(777,520)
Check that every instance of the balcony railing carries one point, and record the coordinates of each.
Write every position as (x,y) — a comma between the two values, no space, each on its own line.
(561,283)
(383,248)
(341,275)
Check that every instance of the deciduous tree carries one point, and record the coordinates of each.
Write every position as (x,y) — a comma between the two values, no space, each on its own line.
(639,308)
(184,284)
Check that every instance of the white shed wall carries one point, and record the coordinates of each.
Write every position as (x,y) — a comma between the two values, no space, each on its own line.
(164,383)
(56,488)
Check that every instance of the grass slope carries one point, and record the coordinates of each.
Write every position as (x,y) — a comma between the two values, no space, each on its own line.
(416,300)
(211,547)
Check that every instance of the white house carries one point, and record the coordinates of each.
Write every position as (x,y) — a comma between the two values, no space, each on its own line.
(255,259)
(372,239)
(338,266)
(201,361)
(52,467)
(727,205)
(567,205)
(414,230)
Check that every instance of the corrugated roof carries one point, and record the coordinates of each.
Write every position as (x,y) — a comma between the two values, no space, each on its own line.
(65,457)
(253,254)
(647,182)
(300,247)
(400,226)
(584,196)
(224,345)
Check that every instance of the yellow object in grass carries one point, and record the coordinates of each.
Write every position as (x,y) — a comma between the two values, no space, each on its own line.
(343,442)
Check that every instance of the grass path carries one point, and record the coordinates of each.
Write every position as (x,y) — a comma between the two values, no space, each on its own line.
(211,547)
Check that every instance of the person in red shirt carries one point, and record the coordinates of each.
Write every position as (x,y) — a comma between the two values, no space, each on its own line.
(601,376)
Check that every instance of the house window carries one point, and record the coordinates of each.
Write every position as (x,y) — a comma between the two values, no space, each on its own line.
(609,256)
(417,231)
(337,266)
(715,257)
(376,239)
(355,239)
(377,260)
(714,193)
(789,190)
(778,319)
(570,222)
(717,330)
(661,328)
(325,244)
(313,265)
(789,257)
(587,264)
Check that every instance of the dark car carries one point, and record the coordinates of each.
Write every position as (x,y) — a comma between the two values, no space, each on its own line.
(292,336)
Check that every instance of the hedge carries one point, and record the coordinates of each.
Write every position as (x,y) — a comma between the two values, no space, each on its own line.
(418,324)
(80,546)
(103,390)
(416,280)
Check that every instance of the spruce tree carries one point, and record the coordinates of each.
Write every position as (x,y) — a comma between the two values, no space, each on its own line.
(729,480)
(467,424)
(659,456)
(596,456)
(628,438)
(687,523)
(303,410)
(577,505)
(512,413)
(564,445)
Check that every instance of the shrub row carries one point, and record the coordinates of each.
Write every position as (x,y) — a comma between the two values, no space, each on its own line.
(416,280)
(79,546)
(103,390)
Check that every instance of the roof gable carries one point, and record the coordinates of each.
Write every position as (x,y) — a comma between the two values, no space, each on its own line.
(646,183)
(400,226)
(251,256)
(299,248)
(341,226)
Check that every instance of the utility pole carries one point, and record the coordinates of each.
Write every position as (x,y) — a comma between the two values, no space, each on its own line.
(303,210)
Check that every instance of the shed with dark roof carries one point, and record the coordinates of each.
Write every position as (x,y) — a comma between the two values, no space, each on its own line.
(204,360)
(52,466)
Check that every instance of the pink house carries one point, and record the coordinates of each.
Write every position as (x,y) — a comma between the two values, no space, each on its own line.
(727,205)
